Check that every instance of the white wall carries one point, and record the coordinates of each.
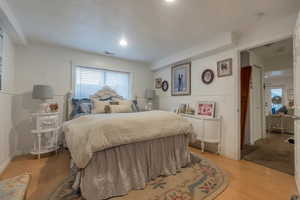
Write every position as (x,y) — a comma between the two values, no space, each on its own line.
(6,130)
(44,64)
(220,90)
(226,91)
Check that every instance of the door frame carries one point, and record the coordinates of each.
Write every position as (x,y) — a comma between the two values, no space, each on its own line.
(262,110)
(238,83)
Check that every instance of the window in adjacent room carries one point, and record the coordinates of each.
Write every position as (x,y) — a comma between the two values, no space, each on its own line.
(277,93)
(89,80)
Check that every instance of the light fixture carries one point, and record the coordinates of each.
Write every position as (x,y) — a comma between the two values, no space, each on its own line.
(123,43)
(169,1)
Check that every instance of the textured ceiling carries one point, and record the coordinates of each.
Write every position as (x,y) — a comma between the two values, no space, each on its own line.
(154,29)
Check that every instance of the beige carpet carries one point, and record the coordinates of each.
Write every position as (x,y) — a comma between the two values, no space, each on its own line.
(273,152)
(202,180)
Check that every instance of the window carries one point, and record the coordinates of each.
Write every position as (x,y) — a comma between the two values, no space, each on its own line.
(276,92)
(89,80)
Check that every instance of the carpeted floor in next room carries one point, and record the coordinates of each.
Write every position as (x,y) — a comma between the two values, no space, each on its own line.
(273,152)
(247,180)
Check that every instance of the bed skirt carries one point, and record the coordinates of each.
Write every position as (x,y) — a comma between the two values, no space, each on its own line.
(116,171)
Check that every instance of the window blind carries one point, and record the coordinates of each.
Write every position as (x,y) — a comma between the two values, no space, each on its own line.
(89,80)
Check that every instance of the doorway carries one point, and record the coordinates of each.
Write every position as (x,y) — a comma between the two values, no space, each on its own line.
(267,105)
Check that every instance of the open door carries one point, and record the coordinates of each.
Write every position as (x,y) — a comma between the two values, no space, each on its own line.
(245,88)
(297,100)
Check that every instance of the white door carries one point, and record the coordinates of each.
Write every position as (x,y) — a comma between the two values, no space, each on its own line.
(297,99)
(256,107)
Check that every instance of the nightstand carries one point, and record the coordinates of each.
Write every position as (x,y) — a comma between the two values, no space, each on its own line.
(46,130)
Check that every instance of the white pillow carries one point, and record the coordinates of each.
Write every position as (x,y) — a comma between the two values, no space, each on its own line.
(125,102)
(100,106)
(120,108)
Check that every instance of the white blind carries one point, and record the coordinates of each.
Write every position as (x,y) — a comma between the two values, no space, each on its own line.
(89,80)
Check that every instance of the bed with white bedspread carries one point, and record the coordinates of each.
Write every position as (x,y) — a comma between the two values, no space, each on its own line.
(119,152)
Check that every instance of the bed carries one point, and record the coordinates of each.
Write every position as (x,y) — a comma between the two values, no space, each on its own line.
(119,152)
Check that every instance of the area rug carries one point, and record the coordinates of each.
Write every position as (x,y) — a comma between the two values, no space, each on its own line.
(201,181)
(274,152)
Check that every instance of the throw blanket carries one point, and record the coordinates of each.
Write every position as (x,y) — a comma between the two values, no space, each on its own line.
(91,133)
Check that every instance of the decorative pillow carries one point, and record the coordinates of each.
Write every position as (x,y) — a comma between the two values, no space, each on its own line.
(100,106)
(114,103)
(120,108)
(135,107)
(125,102)
(86,107)
(77,108)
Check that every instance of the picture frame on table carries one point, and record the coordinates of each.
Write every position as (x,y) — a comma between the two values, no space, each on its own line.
(205,109)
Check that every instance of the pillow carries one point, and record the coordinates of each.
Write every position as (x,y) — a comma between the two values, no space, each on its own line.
(77,108)
(100,106)
(86,107)
(135,106)
(125,102)
(120,108)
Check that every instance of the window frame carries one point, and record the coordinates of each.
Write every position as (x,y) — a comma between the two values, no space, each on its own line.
(73,78)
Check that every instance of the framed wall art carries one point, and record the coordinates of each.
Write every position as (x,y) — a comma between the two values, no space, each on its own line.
(165,86)
(225,68)
(205,109)
(207,76)
(181,80)
(158,82)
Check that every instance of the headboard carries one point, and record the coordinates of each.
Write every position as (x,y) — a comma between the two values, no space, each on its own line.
(106,93)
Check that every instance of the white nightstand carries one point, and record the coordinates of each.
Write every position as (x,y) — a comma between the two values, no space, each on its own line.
(207,130)
(46,130)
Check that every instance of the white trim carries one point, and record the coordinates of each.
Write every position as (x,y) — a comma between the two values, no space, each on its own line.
(4,164)
(238,79)
(11,24)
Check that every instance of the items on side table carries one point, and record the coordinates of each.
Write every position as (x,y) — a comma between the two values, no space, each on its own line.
(46,132)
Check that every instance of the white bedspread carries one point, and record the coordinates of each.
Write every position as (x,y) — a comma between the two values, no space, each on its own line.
(88,134)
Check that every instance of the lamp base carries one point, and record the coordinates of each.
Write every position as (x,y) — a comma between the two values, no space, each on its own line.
(44,107)
(148,106)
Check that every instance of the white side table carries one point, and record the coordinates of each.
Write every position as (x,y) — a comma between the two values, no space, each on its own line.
(200,126)
(46,130)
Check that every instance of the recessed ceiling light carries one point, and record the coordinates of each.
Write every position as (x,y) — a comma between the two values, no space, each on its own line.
(123,43)
(169,1)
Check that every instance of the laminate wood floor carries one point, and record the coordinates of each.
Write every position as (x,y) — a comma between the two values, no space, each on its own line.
(248,181)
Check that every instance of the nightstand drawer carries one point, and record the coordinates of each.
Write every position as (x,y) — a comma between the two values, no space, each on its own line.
(46,122)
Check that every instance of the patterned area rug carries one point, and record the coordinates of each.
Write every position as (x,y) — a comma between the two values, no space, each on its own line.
(202,180)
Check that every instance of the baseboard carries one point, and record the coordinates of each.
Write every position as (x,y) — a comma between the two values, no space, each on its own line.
(4,164)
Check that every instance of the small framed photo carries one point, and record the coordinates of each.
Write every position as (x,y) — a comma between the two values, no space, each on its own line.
(158,83)
(225,68)
(205,109)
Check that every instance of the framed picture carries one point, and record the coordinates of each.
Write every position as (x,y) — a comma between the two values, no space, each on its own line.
(207,76)
(165,86)
(158,82)
(225,68)
(181,79)
(205,109)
